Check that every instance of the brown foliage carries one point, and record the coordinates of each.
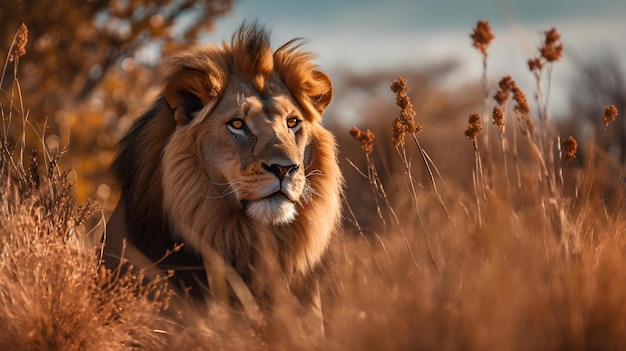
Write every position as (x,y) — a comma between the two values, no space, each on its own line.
(74,44)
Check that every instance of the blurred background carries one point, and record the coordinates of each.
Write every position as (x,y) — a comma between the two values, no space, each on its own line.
(365,36)
(90,69)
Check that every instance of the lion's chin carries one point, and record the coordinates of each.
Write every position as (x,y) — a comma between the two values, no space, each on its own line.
(272,210)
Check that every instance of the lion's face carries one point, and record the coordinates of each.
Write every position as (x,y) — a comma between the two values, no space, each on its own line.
(255,148)
(245,160)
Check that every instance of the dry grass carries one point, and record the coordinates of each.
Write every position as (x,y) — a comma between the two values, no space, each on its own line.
(531,257)
(54,295)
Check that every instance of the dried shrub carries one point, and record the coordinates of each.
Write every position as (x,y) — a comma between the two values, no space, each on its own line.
(54,294)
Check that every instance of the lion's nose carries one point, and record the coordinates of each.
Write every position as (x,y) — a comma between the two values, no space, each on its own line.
(280,171)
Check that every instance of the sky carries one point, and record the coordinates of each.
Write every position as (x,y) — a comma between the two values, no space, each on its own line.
(368,35)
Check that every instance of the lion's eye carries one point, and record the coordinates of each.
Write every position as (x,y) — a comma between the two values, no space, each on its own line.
(293,122)
(236,125)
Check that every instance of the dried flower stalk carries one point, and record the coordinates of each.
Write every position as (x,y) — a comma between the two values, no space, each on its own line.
(366,138)
(474,128)
(610,113)
(19,43)
(552,50)
(507,86)
(521,105)
(570,147)
(498,119)
(405,122)
(535,65)
(482,36)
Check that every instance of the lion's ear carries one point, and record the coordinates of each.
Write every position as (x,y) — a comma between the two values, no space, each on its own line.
(322,91)
(187,92)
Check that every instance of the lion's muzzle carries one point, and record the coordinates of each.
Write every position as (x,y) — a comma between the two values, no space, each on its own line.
(280,171)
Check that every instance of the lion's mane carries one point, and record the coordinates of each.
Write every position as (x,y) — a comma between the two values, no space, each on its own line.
(165,197)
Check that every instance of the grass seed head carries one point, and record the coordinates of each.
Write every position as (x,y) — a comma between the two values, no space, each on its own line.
(552,50)
(501,97)
(610,113)
(521,103)
(366,138)
(570,147)
(482,36)
(19,43)
(552,36)
(535,65)
(505,85)
(405,122)
(498,118)
(475,127)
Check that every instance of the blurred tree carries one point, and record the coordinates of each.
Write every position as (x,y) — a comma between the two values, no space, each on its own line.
(89,64)
(76,42)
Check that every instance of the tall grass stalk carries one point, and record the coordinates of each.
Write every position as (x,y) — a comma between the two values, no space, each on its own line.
(402,125)
(411,183)
(474,128)
(498,119)
(430,165)
(366,139)
(481,39)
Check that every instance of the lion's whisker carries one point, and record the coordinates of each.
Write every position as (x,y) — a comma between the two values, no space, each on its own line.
(232,188)
(217,197)
(215,183)
(313,173)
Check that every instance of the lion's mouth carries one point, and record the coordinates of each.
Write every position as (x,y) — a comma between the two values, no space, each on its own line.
(274,209)
(278,195)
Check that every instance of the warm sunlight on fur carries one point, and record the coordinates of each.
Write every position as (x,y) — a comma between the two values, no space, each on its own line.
(232,158)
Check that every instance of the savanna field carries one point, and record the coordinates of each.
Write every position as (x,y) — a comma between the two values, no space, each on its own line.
(481,224)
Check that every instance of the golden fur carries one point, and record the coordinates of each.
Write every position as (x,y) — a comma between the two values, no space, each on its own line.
(232,159)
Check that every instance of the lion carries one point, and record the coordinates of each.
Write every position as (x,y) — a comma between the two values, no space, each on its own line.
(232,159)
